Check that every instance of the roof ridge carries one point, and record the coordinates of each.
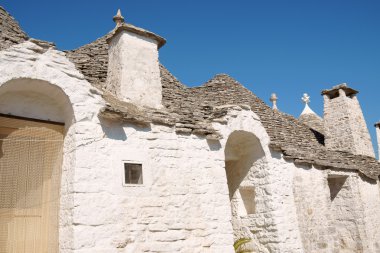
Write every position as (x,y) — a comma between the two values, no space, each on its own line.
(222,77)
(100,39)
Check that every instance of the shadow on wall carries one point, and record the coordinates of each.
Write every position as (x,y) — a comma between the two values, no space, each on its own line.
(35,99)
(214,145)
(245,167)
(242,150)
(115,130)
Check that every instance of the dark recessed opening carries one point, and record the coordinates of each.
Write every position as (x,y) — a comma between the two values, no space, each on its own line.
(133,173)
(334,93)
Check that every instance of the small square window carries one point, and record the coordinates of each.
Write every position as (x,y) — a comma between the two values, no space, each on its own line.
(133,173)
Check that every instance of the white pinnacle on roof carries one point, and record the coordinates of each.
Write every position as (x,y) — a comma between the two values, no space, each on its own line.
(273,99)
(118,18)
(307,109)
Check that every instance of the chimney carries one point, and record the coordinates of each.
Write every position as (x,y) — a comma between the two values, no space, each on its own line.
(345,127)
(377,125)
(133,67)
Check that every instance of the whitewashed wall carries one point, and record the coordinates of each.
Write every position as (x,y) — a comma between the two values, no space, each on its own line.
(183,205)
(133,70)
(274,226)
(35,75)
(348,223)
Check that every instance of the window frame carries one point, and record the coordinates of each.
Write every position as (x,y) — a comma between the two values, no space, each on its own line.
(124,170)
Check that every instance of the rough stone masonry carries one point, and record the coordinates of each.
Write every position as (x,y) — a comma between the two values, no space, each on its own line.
(182,169)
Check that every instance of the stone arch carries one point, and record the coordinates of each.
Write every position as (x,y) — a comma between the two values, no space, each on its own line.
(242,150)
(246,153)
(30,65)
(244,163)
(38,99)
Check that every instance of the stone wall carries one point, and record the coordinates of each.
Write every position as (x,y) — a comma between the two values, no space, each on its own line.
(183,204)
(312,201)
(332,210)
(369,213)
(38,74)
(345,127)
(273,224)
(246,171)
(346,214)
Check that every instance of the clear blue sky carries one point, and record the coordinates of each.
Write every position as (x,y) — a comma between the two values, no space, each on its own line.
(283,46)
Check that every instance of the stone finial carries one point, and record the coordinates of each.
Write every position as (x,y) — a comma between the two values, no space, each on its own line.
(273,99)
(307,110)
(377,124)
(306,98)
(118,18)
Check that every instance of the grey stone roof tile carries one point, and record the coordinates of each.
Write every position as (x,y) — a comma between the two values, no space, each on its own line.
(191,110)
(92,60)
(10,31)
(313,121)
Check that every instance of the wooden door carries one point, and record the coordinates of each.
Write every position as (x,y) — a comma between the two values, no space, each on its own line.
(30,162)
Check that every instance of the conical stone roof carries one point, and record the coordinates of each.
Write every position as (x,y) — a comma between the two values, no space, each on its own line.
(311,119)
(10,31)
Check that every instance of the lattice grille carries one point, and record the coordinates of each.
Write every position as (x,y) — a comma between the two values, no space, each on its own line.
(30,162)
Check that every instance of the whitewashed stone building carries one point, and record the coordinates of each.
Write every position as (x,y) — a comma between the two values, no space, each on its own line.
(102,150)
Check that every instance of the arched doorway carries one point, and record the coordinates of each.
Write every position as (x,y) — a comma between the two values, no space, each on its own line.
(33,114)
(30,162)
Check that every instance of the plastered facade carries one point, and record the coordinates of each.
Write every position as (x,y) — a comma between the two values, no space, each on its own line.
(333,211)
(138,83)
(185,203)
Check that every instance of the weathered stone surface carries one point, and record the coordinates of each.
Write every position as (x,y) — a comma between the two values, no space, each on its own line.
(184,203)
(311,119)
(345,127)
(185,103)
(10,31)
(133,69)
(139,31)
(196,106)
(128,112)
(286,132)
(41,83)
(92,61)
(333,211)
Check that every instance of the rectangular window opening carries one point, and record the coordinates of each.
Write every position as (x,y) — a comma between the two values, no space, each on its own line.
(133,173)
